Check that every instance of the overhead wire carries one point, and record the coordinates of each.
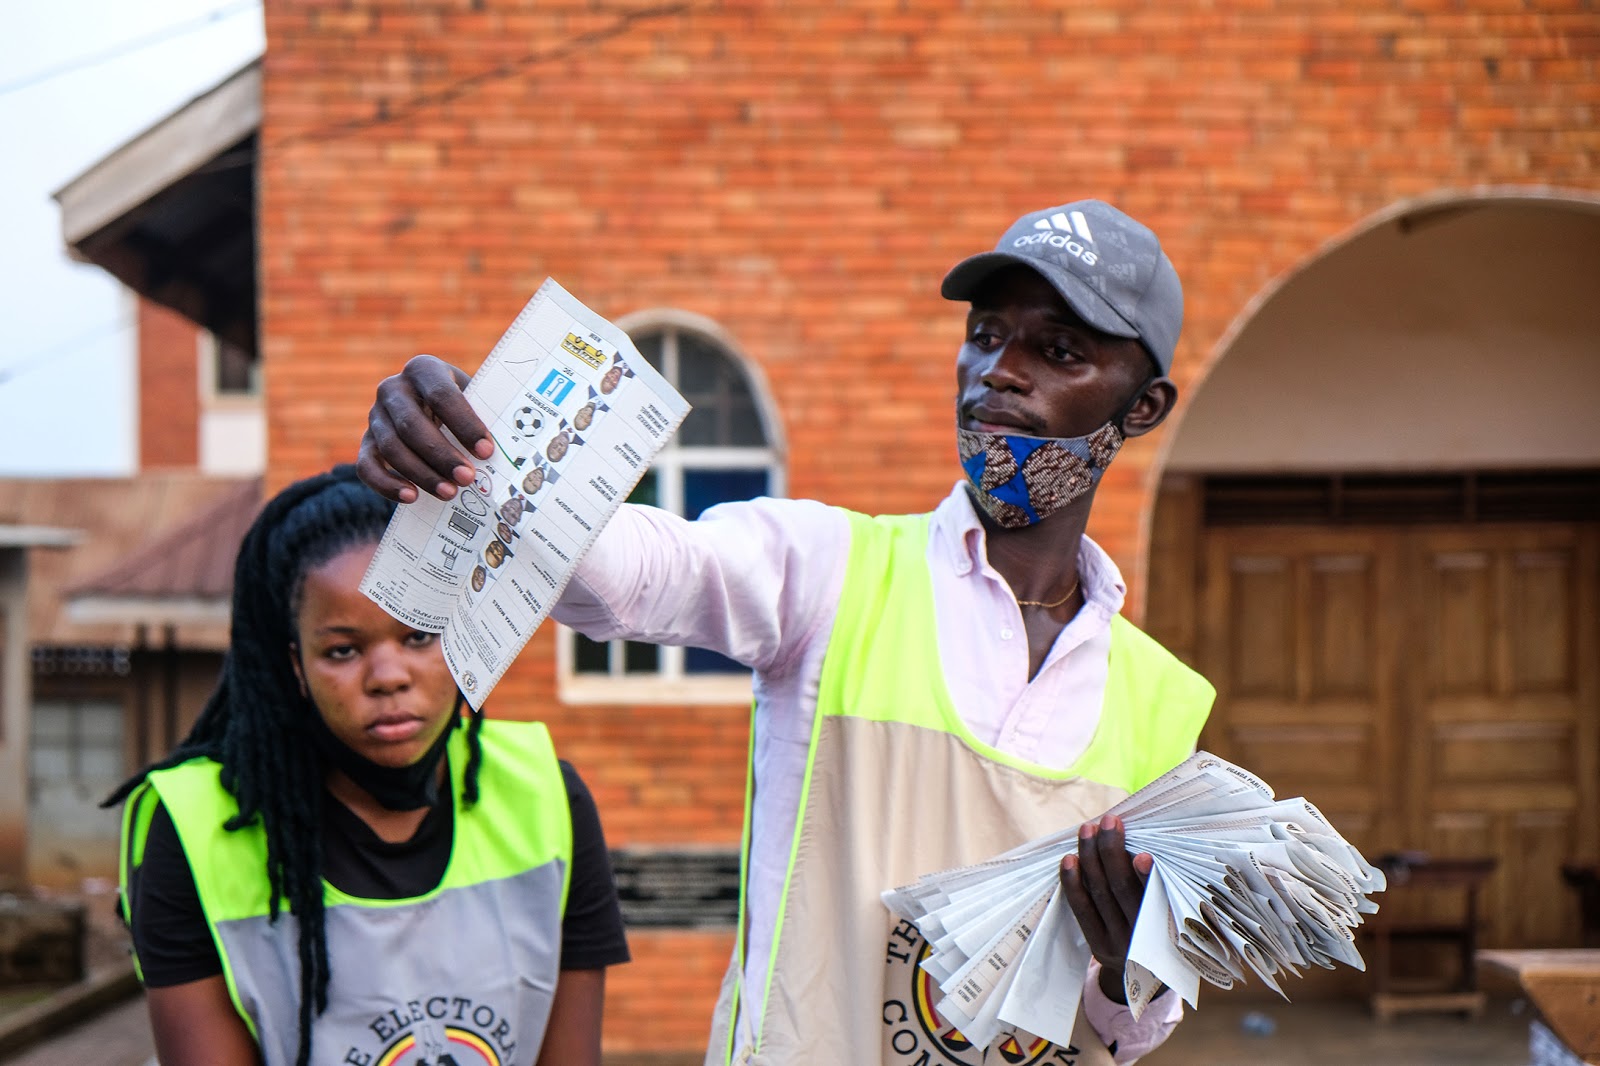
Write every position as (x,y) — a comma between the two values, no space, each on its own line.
(454,91)
(76,346)
(137,44)
(387,114)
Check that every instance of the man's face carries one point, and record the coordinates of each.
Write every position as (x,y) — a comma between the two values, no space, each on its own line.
(1030,365)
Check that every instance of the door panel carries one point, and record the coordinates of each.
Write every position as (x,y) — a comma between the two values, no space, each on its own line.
(1291,637)
(1427,687)
(1497,721)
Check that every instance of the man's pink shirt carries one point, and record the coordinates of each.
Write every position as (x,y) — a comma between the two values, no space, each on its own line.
(759,581)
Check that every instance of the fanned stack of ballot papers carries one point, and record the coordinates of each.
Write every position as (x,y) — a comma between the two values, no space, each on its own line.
(1240,879)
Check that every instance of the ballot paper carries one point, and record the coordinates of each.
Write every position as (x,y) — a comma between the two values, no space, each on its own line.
(1242,883)
(576,414)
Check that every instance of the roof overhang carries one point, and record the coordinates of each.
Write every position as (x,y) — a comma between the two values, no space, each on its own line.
(184,577)
(171,213)
(148,610)
(39,537)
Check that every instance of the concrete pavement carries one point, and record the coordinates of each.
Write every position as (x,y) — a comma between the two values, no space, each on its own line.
(1342,1033)
(1306,1034)
(118,1037)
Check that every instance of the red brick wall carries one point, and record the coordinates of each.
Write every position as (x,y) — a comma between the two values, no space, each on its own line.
(804,174)
(169,389)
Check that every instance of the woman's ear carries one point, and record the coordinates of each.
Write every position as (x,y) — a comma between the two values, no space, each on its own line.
(1157,400)
(299,670)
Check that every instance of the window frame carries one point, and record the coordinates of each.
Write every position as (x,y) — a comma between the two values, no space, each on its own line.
(75,702)
(668,683)
(211,393)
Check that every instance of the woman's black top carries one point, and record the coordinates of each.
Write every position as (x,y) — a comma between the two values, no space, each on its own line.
(174,942)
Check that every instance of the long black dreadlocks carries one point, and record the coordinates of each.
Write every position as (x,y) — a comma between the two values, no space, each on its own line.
(256,722)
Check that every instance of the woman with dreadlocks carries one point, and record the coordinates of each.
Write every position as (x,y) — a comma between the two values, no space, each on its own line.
(449,900)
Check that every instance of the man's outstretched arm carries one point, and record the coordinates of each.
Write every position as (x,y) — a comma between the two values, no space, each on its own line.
(751,581)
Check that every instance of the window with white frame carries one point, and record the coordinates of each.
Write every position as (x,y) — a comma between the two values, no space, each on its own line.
(233,423)
(727,449)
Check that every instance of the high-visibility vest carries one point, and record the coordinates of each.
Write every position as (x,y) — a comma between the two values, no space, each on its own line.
(897,786)
(466,970)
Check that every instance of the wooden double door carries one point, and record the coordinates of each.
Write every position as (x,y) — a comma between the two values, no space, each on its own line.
(1430,688)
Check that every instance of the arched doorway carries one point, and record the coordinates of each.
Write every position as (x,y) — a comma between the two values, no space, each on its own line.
(1378,532)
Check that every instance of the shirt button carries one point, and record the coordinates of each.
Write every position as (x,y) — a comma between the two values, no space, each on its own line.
(1006,633)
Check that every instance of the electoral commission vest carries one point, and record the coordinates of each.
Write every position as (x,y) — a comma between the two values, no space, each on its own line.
(897,786)
(467,970)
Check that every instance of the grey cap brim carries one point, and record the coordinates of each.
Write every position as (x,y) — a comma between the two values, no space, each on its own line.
(966,276)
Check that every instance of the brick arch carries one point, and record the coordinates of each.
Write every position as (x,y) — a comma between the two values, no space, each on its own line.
(1153,458)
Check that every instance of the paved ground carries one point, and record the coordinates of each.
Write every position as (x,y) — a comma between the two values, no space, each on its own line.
(1310,1034)
(14,999)
(119,1037)
(1344,1034)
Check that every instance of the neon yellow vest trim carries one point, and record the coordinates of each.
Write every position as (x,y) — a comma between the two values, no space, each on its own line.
(521,822)
(882,664)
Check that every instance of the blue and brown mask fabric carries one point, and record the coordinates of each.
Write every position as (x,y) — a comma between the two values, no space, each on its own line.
(1019,480)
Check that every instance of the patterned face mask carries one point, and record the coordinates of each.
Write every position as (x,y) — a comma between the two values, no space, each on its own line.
(1020,480)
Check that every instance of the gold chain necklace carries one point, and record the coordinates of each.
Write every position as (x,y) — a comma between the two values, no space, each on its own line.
(1048,606)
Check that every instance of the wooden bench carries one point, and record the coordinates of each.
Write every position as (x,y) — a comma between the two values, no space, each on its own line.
(1458,994)
(1564,984)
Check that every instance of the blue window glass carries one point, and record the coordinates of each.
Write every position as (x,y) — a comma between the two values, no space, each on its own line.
(704,489)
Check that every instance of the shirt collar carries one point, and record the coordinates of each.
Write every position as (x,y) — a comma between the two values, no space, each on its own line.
(960,537)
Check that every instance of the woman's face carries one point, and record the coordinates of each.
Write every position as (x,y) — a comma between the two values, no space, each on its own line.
(382,686)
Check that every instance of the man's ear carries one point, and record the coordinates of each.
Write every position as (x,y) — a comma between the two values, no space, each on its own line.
(1157,400)
(299,671)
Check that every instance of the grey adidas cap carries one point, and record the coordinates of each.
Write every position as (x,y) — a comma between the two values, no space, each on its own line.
(1108,267)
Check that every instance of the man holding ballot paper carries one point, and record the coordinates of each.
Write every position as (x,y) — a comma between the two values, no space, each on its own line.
(931,689)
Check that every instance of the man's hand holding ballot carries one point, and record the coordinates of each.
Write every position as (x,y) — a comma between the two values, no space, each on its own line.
(1104,884)
(1236,880)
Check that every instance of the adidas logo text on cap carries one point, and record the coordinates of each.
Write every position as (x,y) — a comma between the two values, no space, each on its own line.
(1068,231)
